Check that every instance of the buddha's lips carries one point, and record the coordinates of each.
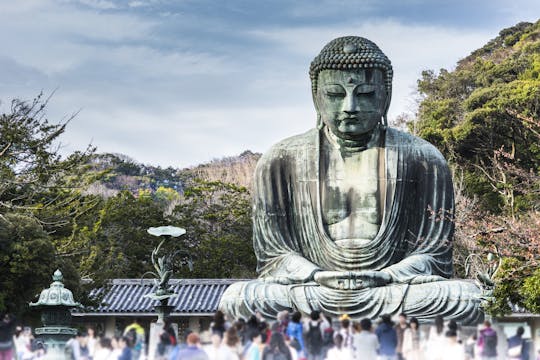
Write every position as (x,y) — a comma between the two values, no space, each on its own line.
(349,119)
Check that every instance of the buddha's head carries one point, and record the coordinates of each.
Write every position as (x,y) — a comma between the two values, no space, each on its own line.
(351,83)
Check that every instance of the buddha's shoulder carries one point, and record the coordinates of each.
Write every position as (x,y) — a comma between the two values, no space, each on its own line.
(284,155)
(293,145)
(411,143)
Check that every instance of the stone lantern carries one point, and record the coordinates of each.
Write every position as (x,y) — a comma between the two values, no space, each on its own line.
(55,304)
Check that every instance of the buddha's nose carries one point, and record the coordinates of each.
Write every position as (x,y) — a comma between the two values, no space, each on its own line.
(350,104)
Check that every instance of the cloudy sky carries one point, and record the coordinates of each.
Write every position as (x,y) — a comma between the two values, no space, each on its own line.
(180,82)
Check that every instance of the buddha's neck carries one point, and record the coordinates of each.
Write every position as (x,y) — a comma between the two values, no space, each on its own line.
(360,143)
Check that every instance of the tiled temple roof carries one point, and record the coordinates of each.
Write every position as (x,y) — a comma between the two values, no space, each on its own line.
(126,296)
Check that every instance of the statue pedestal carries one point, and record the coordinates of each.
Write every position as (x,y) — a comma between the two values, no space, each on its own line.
(163,311)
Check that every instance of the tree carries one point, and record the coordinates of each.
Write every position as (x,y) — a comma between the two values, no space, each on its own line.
(112,242)
(485,118)
(217,217)
(489,104)
(34,175)
(40,195)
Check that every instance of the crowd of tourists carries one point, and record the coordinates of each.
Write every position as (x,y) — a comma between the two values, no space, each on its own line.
(290,337)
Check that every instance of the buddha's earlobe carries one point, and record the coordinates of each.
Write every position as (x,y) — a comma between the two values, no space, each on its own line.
(320,123)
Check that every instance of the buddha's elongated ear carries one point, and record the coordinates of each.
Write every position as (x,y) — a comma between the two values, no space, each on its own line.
(384,120)
(320,123)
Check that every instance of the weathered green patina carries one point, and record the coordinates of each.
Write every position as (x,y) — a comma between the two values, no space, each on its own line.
(352,216)
(163,270)
(55,304)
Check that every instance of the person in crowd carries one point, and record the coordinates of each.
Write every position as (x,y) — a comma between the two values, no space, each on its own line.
(117,351)
(314,330)
(292,346)
(136,338)
(105,351)
(219,324)
(283,319)
(436,339)
(7,330)
(22,343)
(339,351)
(83,346)
(487,342)
(180,344)
(470,347)
(256,347)
(193,350)
(518,348)
(213,350)
(232,348)
(328,338)
(277,349)
(412,348)
(386,333)
(345,330)
(40,352)
(125,350)
(240,326)
(401,326)
(75,346)
(295,333)
(251,327)
(167,341)
(91,342)
(452,350)
(364,342)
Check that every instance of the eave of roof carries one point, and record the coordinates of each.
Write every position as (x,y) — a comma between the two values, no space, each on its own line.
(125,297)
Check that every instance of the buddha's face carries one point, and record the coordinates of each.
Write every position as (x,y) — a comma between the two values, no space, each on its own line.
(351,102)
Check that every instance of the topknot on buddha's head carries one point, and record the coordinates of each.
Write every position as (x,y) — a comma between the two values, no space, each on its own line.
(350,53)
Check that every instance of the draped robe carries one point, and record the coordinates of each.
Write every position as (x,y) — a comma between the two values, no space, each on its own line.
(413,244)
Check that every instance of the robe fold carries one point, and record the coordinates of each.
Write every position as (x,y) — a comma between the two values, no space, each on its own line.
(413,244)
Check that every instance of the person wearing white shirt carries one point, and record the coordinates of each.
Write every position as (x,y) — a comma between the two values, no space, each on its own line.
(364,342)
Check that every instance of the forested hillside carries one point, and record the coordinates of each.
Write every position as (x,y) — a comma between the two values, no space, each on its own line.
(485,117)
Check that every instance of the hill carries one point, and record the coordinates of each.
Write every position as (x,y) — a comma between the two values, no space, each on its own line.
(120,172)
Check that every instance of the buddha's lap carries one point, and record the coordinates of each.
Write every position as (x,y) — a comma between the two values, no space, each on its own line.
(450,298)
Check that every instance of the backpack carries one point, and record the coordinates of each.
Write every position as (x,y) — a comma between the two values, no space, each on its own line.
(131,335)
(314,339)
(328,336)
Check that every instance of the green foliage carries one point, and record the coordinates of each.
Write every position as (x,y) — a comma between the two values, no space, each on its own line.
(491,102)
(485,118)
(30,259)
(111,242)
(531,292)
(507,289)
(40,195)
(217,217)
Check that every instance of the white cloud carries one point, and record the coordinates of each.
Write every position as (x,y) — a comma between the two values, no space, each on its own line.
(179,102)
(411,48)
(99,4)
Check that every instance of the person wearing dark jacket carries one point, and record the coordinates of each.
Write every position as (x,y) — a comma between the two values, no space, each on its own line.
(387,338)
(7,329)
(518,349)
(487,341)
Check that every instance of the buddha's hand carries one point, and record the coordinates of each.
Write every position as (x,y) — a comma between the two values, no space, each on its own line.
(352,280)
